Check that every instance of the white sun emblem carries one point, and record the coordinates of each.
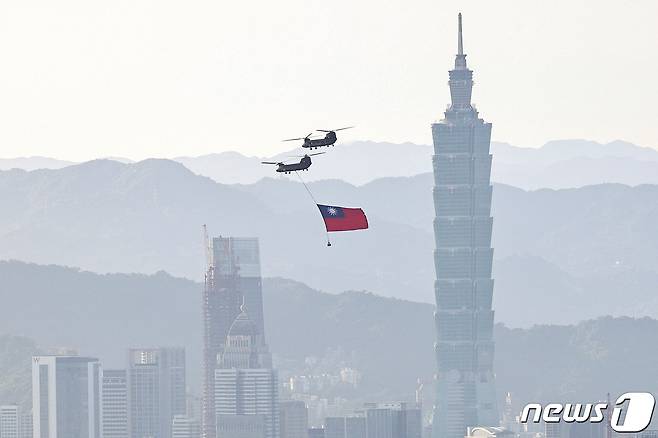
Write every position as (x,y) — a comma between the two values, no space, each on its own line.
(332,211)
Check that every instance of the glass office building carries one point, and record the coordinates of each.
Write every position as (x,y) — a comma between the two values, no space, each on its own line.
(66,399)
(232,280)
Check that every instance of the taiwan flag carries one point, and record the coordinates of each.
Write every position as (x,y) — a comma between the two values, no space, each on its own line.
(343,219)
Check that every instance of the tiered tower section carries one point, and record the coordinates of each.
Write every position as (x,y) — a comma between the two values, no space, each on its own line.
(464,317)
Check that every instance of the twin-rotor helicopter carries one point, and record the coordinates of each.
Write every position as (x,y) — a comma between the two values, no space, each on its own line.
(329,139)
(303,164)
(335,218)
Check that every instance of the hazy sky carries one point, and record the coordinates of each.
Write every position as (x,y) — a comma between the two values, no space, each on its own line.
(83,79)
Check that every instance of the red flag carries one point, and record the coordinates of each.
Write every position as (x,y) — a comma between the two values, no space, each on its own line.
(343,219)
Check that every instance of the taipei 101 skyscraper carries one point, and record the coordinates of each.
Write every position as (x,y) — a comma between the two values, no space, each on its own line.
(464,349)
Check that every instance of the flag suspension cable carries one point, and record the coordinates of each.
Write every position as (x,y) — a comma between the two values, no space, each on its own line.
(314,201)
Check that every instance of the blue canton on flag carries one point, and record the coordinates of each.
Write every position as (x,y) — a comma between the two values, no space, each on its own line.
(329,211)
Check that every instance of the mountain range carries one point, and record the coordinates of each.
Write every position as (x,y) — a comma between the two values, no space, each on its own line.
(573,250)
(33,163)
(556,164)
(388,340)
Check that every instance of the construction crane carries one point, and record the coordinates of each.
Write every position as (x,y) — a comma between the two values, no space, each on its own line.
(207,247)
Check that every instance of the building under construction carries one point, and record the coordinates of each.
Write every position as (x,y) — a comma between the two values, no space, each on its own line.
(232,279)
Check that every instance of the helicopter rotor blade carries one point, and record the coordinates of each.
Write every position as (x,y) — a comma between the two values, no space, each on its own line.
(299,138)
(334,130)
(269,162)
(307,155)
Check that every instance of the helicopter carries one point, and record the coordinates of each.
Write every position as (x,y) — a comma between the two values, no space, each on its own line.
(303,164)
(313,143)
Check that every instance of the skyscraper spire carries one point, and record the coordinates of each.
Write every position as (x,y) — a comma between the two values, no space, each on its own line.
(461,80)
(460,60)
(460,44)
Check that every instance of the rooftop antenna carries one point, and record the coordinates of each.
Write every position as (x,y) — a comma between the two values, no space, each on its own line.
(460,43)
(460,59)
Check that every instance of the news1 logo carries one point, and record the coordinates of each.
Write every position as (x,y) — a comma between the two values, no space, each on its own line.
(631,413)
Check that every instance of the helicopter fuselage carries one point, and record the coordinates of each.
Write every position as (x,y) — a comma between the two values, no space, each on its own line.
(303,164)
(328,140)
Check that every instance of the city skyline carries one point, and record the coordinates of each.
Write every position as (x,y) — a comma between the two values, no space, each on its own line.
(200,297)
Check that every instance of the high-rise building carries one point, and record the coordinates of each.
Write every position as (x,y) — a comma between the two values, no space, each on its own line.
(10,421)
(380,423)
(355,426)
(185,427)
(593,430)
(556,430)
(245,383)
(316,432)
(464,348)
(391,420)
(241,426)
(293,419)
(156,390)
(334,427)
(66,400)
(193,408)
(232,278)
(411,422)
(115,404)
(26,425)
(377,420)
(243,348)
(245,253)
